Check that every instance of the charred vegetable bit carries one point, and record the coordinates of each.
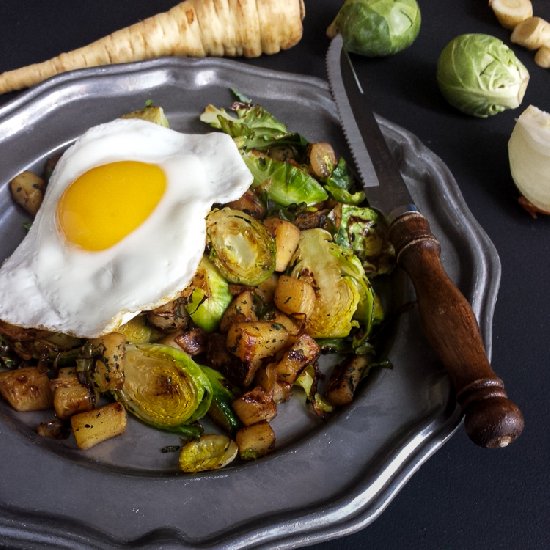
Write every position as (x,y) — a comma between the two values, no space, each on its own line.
(308,381)
(363,231)
(221,410)
(285,277)
(7,357)
(54,429)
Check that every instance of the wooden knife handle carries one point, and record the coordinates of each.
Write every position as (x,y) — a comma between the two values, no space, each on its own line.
(490,418)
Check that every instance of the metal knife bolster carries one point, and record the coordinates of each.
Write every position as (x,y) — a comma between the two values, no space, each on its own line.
(490,418)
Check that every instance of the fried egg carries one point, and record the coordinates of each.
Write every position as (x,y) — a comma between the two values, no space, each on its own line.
(121,229)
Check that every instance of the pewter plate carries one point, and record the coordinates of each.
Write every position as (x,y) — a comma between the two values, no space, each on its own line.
(325,479)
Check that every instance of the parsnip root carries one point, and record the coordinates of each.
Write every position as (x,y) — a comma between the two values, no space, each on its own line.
(192,28)
(511,12)
(533,33)
(542,57)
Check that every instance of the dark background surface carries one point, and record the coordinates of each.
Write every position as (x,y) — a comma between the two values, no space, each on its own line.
(464,497)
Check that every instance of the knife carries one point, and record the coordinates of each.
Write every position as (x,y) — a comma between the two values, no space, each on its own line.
(491,419)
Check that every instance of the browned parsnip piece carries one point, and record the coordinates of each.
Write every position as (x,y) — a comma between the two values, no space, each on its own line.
(27,190)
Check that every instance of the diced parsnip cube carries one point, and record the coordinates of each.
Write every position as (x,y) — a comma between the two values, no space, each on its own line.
(253,341)
(303,352)
(69,395)
(27,190)
(286,236)
(294,296)
(26,389)
(238,372)
(344,380)
(240,309)
(255,441)
(255,405)
(109,369)
(93,427)
(71,400)
(266,290)
(292,324)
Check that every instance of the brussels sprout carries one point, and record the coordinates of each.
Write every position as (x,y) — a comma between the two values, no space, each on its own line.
(209,296)
(164,387)
(240,246)
(363,230)
(210,452)
(377,27)
(283,182)
(320,261)
(480,75)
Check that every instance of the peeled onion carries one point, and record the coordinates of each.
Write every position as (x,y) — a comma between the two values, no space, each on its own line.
(529,155)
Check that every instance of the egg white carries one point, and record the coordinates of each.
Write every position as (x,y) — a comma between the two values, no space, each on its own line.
(49,283)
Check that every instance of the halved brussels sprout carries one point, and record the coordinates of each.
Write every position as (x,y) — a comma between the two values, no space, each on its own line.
(209,297)
(210,452)
(240,246)
(164,387)
(322,263)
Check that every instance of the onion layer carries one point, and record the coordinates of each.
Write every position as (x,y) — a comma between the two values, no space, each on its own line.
(529,156)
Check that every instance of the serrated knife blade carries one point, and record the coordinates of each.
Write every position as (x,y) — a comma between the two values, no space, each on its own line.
(490,418)
(373,159)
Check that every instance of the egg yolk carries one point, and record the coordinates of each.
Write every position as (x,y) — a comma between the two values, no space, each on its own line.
(107,203)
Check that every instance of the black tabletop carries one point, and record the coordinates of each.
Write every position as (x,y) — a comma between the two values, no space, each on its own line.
(464,497)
